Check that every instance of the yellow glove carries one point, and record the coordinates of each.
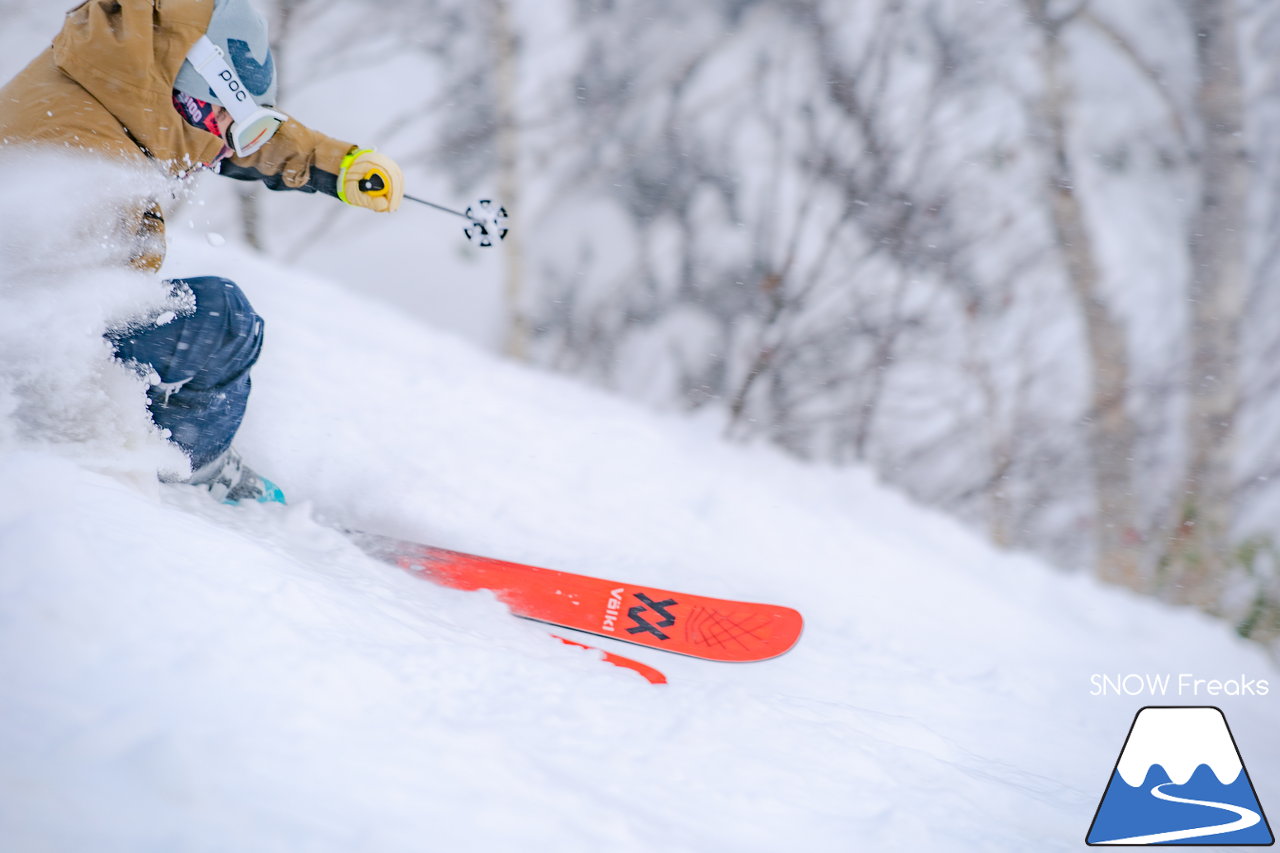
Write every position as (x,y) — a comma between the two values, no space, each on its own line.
(372,180)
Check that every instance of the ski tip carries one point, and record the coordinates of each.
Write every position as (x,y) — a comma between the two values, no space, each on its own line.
(787,632)
(734,632)
(791,631)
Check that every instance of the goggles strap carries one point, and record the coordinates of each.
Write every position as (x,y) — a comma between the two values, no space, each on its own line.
(206,57)
(208,60)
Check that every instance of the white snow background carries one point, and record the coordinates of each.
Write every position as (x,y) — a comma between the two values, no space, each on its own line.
(178,675)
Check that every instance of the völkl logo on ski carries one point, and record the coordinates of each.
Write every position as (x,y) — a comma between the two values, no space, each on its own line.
(1180,780)
(660,608)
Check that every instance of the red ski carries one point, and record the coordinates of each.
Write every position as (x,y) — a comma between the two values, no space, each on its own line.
(694,625)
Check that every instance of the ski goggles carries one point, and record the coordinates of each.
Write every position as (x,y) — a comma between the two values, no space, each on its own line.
(252,126)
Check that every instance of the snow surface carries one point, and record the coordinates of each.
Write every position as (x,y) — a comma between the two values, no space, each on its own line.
(184,676)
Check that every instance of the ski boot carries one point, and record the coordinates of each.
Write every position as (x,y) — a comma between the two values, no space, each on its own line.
(230,480)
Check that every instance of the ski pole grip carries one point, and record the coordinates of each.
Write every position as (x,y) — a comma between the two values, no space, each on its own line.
(375,183)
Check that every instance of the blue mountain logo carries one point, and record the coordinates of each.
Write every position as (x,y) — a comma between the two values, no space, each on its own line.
(1180,780)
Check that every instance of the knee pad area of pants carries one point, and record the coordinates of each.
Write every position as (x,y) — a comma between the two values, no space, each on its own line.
(224,335)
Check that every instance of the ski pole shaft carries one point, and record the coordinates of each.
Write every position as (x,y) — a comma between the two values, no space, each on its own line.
(491,224)
(374,183)
(439,207)
(482,230)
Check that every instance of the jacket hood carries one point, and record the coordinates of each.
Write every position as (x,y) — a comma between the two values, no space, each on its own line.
(127,55)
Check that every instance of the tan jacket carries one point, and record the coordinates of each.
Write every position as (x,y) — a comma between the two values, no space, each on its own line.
(106,86)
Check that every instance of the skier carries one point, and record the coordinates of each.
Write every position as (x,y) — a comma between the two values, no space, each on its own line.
(115,82)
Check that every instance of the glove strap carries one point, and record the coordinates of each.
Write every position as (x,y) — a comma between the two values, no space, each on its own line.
(345,167)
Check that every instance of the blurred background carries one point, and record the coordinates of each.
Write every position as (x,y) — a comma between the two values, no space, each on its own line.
(1015,256)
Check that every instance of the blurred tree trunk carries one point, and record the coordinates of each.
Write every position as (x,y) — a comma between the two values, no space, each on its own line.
(282,19)
(1200,549)
(250,216)
(1111,432)
(505,46)
(248,196)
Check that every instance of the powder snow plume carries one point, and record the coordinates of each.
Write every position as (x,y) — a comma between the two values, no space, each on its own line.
(64,282)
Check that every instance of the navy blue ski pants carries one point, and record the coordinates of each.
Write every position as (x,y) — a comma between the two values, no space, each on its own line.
(203,360)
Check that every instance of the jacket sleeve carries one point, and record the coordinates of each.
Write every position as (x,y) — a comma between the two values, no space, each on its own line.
(296,158)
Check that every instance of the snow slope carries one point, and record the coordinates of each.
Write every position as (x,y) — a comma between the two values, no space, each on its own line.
(180,675)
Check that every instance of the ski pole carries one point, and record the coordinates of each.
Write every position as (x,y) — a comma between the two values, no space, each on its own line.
(483,226)
(438,206)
